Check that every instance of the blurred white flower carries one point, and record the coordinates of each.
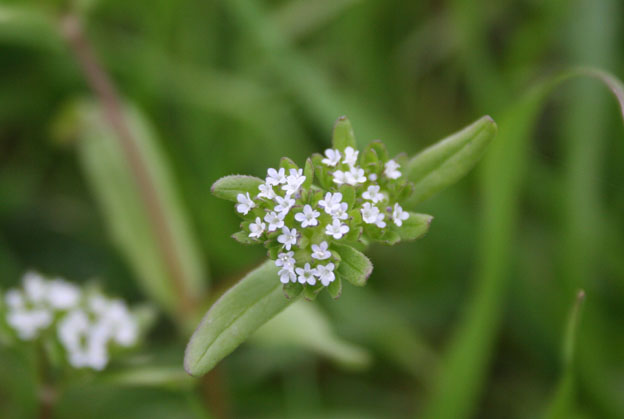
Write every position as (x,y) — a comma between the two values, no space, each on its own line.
(398,215)
(320,252)
(245,204)
(391,169)
(333,157)
(256,229)
(308,217)
(288,237)
(351,156)
(336,229)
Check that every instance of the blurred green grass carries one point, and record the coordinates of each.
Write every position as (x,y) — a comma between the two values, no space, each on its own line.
(230,87)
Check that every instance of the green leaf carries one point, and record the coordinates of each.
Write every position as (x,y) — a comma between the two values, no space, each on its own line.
(447,161)
(308,172)
(245,307)
(343,134)
(243,238)
(348,194)
(562,403)
(335,288)
(467,360)
(288,164)
(310,292)
(154,236)
(354,266)
(229,187)
(292,289)
(150,376)
(391,238)
(304,325)
(414,227)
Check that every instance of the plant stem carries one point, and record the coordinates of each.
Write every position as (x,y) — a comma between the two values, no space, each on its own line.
(101,84)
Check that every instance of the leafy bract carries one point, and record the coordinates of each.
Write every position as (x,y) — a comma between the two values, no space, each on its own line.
(343,136)
(354,266)
(229,187)
(447,161)
(246,306)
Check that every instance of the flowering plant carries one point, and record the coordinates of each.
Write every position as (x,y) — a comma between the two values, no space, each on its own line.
(87,324)
(314,221)
(317,220)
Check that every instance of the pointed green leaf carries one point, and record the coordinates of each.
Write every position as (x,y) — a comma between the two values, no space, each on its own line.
(380,150)
(449,160)
(343,134)
(288,164)
(414,227)
(245,307)
(229,187)
(354,266)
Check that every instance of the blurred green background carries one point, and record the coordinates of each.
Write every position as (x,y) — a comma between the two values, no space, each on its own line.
(468,322)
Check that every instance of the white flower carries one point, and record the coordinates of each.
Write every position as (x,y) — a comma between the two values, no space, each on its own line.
(275,177)
(245,204)
(355,175)
(84,341)
(320,251)
(306,274)
(398,215)
(371,215)
(340,177)
(373,194)
(266,191)
(288,237)
(340,212)
(285,260)
(372,177)
(284,204)
(118,324)
(325,273)
(256,229)
(287,275)
(336,229)
(35,287)
(294,181)
(27,323)
(14,299)
(391,169)
(308,217)
(333,157)
(331,202)
(351,156)
(62,294)
(275,220)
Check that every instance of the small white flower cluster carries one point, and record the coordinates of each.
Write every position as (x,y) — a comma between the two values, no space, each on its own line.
(300,221)
(86,322)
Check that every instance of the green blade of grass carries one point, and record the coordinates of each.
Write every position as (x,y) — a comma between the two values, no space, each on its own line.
(116,191)
(465,364)
(561,405)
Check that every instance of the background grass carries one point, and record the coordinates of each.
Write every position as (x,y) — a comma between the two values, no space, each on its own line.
(467,322)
